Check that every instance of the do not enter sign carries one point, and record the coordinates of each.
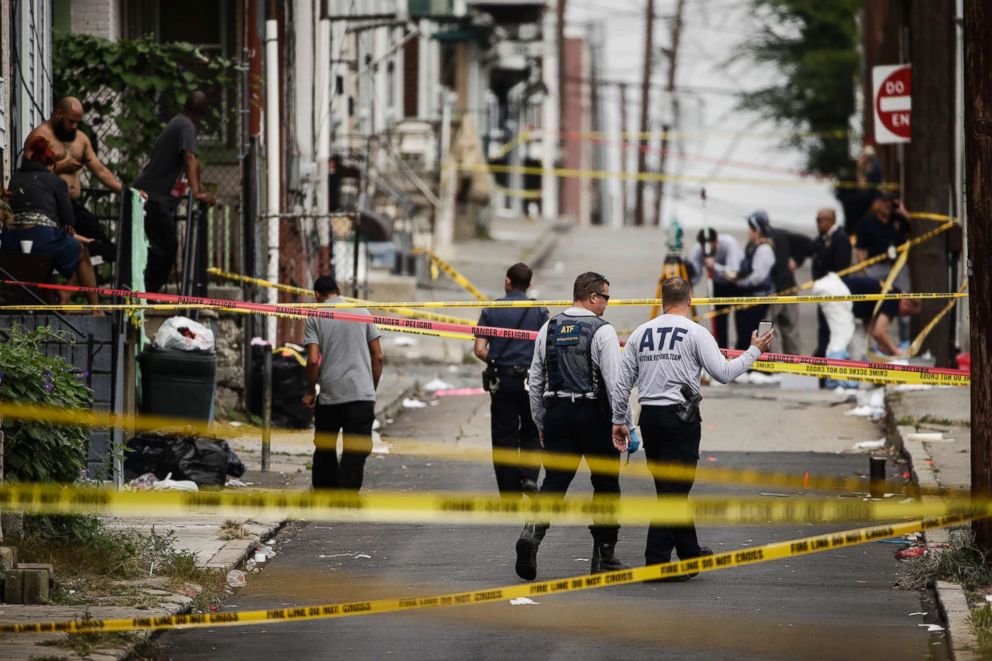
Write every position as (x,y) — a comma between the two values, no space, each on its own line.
(892,102)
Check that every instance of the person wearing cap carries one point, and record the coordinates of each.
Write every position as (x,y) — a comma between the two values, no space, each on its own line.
(345,358)
(754,277)
(720,256)
(507,363)
(573,375)
(881,233)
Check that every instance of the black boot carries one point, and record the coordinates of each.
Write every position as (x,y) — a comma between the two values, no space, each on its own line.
(527,545)
(604,560)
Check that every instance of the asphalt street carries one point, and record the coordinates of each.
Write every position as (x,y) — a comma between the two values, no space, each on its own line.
(842,604)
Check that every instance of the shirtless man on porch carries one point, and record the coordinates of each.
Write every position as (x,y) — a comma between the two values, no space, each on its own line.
(75,151)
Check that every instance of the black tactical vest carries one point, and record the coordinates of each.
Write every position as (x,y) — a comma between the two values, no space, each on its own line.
(568,354)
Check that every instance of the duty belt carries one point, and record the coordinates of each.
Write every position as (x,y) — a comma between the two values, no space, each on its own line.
(570,395)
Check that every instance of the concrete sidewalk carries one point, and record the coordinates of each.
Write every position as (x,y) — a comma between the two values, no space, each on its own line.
(917,416)
(512,240)
(201,534)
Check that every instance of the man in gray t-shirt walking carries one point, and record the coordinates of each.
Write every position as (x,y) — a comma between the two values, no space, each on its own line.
(345,357)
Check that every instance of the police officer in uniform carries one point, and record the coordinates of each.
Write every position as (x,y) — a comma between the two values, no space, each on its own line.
(663,358)
(507,362)
(572,377)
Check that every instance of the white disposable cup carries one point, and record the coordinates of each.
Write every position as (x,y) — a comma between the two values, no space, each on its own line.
(26,246)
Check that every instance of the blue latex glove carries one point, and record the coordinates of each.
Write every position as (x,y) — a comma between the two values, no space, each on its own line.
(634,443)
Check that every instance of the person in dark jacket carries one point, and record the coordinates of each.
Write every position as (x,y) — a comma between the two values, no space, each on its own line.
(507,363)
(791,250)
(832,253)
(43,221)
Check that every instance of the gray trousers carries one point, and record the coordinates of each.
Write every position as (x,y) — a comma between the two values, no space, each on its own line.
(786,320)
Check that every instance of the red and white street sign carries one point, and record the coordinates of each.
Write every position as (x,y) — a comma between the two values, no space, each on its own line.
(892,101)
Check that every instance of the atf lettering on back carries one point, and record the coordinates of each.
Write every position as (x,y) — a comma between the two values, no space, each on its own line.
(567,335)
(673,334)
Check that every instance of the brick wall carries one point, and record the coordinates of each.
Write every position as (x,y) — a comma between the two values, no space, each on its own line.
(100,18)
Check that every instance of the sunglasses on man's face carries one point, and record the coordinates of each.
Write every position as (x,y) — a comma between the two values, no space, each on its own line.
(605,297)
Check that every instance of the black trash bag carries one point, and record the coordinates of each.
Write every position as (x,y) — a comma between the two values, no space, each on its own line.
(149,452)
(235,467)
(206,461)
(289,385)
(202,460)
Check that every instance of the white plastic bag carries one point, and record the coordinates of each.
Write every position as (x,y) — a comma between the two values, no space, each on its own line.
(168,484)
(182,334)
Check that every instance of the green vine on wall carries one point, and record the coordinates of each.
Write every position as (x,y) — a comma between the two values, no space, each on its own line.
(131,87)
(38,451)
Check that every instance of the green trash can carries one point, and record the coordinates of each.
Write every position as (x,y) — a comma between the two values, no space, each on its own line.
(178,384)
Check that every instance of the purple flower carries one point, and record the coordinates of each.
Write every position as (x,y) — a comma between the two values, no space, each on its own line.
(49,386)
(1,376)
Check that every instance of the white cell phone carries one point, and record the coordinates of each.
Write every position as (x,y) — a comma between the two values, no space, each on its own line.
(764,327)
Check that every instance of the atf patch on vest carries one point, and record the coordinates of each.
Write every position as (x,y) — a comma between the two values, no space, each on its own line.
(568,335)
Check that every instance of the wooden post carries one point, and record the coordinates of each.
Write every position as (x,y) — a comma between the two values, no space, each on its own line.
(642,142)
(624,137)
(978,170)
(929,184)
(673,56)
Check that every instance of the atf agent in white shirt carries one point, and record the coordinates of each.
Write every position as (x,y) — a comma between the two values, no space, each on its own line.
(663,358)
(572,380)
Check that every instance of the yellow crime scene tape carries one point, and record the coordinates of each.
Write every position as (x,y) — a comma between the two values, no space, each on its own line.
(870,374)
(658,176)
(556,303)
(948,223)
(437,450)
(299,291)
(727,560)
(471,508)
(453,273)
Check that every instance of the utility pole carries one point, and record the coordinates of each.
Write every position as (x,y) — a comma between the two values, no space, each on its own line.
(559,139)
(642,142)
(624,136)
(929,158)
(978,170)
(673,56)
(592,38)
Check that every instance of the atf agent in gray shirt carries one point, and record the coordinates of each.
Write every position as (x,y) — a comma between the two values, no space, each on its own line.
(666,352)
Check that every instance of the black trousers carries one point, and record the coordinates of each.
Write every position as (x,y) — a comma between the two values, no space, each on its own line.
(668,440)
(722,321)
(89,226)
(513,428)
(163,244)
(355,420)
(746,322)
(573,430)
(822,333)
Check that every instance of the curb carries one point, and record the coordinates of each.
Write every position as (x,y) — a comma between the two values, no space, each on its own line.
(537,253)
(950,596)
(389,408)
